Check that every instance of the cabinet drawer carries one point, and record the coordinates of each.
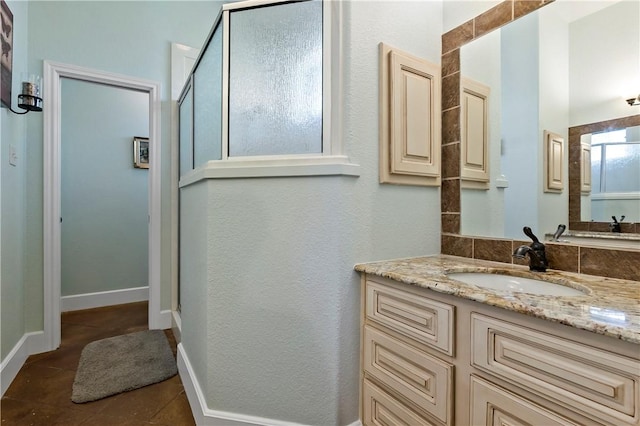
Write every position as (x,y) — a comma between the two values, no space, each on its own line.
(596,383)
(491,405)
(419,377)
(420,318)
(380,408)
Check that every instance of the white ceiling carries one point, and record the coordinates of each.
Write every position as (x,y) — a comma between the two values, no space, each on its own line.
(572,10)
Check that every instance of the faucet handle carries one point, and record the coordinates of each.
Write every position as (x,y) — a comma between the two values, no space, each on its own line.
(559,231)
(527,231)
(616,221)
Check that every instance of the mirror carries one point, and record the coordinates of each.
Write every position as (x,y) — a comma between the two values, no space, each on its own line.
(613,175)
(585,202)
(550,70)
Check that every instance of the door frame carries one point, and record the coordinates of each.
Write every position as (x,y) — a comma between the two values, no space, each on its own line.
(53,74)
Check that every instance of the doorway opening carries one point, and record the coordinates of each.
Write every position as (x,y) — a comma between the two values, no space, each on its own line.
(54,73)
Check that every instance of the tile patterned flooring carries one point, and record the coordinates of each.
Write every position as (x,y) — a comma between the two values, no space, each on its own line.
(41,392)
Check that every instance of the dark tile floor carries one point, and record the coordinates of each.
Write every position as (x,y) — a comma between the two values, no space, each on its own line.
(41,392)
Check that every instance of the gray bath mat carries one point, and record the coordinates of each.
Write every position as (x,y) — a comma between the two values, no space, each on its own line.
(122,363)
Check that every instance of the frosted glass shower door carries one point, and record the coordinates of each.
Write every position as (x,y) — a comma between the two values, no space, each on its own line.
(207,99)
(275,80)
(186,133)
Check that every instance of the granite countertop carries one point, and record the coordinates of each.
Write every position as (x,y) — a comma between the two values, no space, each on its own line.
(610,307)
(605,235)
(600,235)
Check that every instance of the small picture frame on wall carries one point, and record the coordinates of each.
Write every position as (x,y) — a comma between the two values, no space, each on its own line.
(6,53)
(140,152)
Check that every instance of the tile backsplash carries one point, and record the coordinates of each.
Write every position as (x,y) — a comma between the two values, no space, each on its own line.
(605,262)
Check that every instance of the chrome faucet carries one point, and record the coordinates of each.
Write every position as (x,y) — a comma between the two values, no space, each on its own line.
(536,251)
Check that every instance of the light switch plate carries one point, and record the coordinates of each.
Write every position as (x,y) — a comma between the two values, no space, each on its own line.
(13,156)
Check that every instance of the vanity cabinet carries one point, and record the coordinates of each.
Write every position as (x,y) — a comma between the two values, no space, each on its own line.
(434,359)
(398,328)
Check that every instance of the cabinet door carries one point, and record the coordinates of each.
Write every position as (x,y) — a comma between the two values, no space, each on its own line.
(409,119)
(474,142)
(493,406)
(381,409)
(599,384)
(554,162)
(417,317)
(419,377)
(585,168)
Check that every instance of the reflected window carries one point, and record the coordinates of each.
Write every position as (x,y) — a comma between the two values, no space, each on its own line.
(615,163)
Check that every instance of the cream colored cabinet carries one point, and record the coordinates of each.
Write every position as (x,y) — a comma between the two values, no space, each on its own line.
(423,379)
(380,408)
(593,381)
(553,162)
(409,119)
(474,141)
(435,359)
(585,168)
(401,334)
(424,320)
(491,405)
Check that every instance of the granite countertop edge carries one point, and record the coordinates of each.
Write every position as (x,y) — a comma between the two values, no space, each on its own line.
(611,307)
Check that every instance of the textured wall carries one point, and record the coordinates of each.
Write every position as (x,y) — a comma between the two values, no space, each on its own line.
(13,192)
(194,290)
(282,299)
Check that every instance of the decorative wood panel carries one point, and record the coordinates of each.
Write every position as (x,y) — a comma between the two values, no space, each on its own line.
(474,125)
(421,378)
(585,168)
(381,409)
(427,321)
(492,406)
(553,162)
(409,119)
(598,384)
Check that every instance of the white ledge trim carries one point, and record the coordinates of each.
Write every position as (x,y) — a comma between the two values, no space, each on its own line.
(273,167)
(616,196)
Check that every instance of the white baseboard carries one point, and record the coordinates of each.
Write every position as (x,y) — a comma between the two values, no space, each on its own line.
(78,302)
(165,319)
(203,416)
(176,325)
(29,344)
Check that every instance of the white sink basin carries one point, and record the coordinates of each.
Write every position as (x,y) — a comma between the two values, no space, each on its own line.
(514,284)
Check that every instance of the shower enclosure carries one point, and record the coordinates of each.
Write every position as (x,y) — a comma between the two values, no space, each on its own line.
(257,87)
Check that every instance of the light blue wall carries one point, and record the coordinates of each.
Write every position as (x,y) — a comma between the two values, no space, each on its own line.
(13,192)
(482,211)
(553,208)
(104,198)
(521,145)
(132,38)
(277,333)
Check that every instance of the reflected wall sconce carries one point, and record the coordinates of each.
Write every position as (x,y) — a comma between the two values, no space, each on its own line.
(30,99)
(634,101)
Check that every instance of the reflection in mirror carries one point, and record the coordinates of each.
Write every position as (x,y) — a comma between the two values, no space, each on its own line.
(549,70)
(615,176)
